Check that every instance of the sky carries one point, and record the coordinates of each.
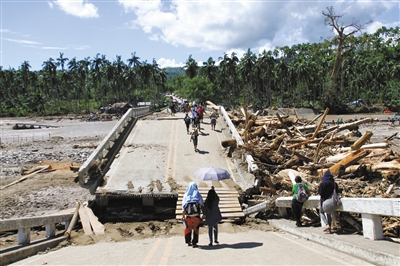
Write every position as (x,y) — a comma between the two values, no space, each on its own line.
(169,32)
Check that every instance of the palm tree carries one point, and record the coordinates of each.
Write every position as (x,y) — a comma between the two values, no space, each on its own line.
(191,67)
(210,70)
(134,60)
(25,76)
(61,61)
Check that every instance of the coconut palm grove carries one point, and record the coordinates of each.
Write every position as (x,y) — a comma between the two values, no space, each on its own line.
(332,73)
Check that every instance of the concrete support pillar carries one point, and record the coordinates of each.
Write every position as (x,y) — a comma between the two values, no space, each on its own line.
(24,236)
(66,224)
(50,230)
(372,226)
(148,201)
(282,211)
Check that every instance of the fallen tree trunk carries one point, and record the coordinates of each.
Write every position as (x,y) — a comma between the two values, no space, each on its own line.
(361,141)
(320,123)
(349,160)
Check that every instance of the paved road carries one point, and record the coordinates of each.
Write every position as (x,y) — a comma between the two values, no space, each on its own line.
(160,148)
(241,248)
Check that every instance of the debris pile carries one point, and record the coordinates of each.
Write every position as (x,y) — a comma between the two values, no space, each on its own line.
(279,142)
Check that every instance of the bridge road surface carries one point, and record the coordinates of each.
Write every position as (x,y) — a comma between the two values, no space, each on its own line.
(250,247)
(158,149)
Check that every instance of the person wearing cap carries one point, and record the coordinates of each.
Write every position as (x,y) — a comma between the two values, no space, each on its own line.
(297,205)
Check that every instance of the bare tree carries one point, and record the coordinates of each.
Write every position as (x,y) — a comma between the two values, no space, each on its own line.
(343,40)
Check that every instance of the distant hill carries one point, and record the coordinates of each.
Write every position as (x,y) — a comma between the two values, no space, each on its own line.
(173,71)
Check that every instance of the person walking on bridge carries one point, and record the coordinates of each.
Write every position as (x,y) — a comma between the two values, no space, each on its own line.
(325,190)
(187,122)
(192,203)
(194,137)
(212,214)
(213,116)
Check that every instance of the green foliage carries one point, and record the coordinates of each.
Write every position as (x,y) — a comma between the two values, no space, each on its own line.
(301,77)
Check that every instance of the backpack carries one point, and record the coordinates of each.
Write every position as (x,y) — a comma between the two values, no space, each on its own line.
(192,209)
(301,195)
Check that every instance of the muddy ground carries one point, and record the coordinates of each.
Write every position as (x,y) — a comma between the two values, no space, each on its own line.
(57,189)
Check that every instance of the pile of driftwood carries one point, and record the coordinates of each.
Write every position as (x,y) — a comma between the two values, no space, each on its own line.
(279,142)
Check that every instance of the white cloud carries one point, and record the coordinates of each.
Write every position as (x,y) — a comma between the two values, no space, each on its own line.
(82,47)
(163,63)
(79,8)
(24,42)
(239,25)
(53,48)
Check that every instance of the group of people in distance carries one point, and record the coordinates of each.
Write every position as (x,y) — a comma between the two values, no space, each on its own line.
(325,190)
(194,116)
(194,209)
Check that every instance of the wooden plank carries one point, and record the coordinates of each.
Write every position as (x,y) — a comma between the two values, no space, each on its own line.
(228,203)
(224,215)
(38,170)
(223,210)
(85,221)
(221,206)
(98,228)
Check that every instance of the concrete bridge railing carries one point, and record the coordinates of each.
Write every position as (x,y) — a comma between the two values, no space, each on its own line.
(101,157)
(251,166)
(371,209)
(24,225)
(25,248)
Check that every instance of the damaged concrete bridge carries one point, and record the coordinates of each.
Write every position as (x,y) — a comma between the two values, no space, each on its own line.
(140,168)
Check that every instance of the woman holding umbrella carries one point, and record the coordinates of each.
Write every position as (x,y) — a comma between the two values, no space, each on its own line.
(191,204)
(212,214)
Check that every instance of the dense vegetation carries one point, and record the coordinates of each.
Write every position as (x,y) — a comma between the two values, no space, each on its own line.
(330,74)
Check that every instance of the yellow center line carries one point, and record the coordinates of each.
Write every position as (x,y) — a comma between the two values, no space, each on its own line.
(167,252)
(169,155)
(175,150)
(151,252)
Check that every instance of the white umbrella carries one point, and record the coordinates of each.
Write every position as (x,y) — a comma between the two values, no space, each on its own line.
(212,174)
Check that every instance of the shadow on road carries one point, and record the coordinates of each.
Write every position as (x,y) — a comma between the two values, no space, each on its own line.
(241,245)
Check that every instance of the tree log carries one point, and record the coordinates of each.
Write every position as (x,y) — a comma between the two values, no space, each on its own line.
(361,141)
(284,126)
(320,123)
(349,160)
(73,220)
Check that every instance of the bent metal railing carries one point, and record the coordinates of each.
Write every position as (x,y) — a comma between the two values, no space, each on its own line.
(92,171)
